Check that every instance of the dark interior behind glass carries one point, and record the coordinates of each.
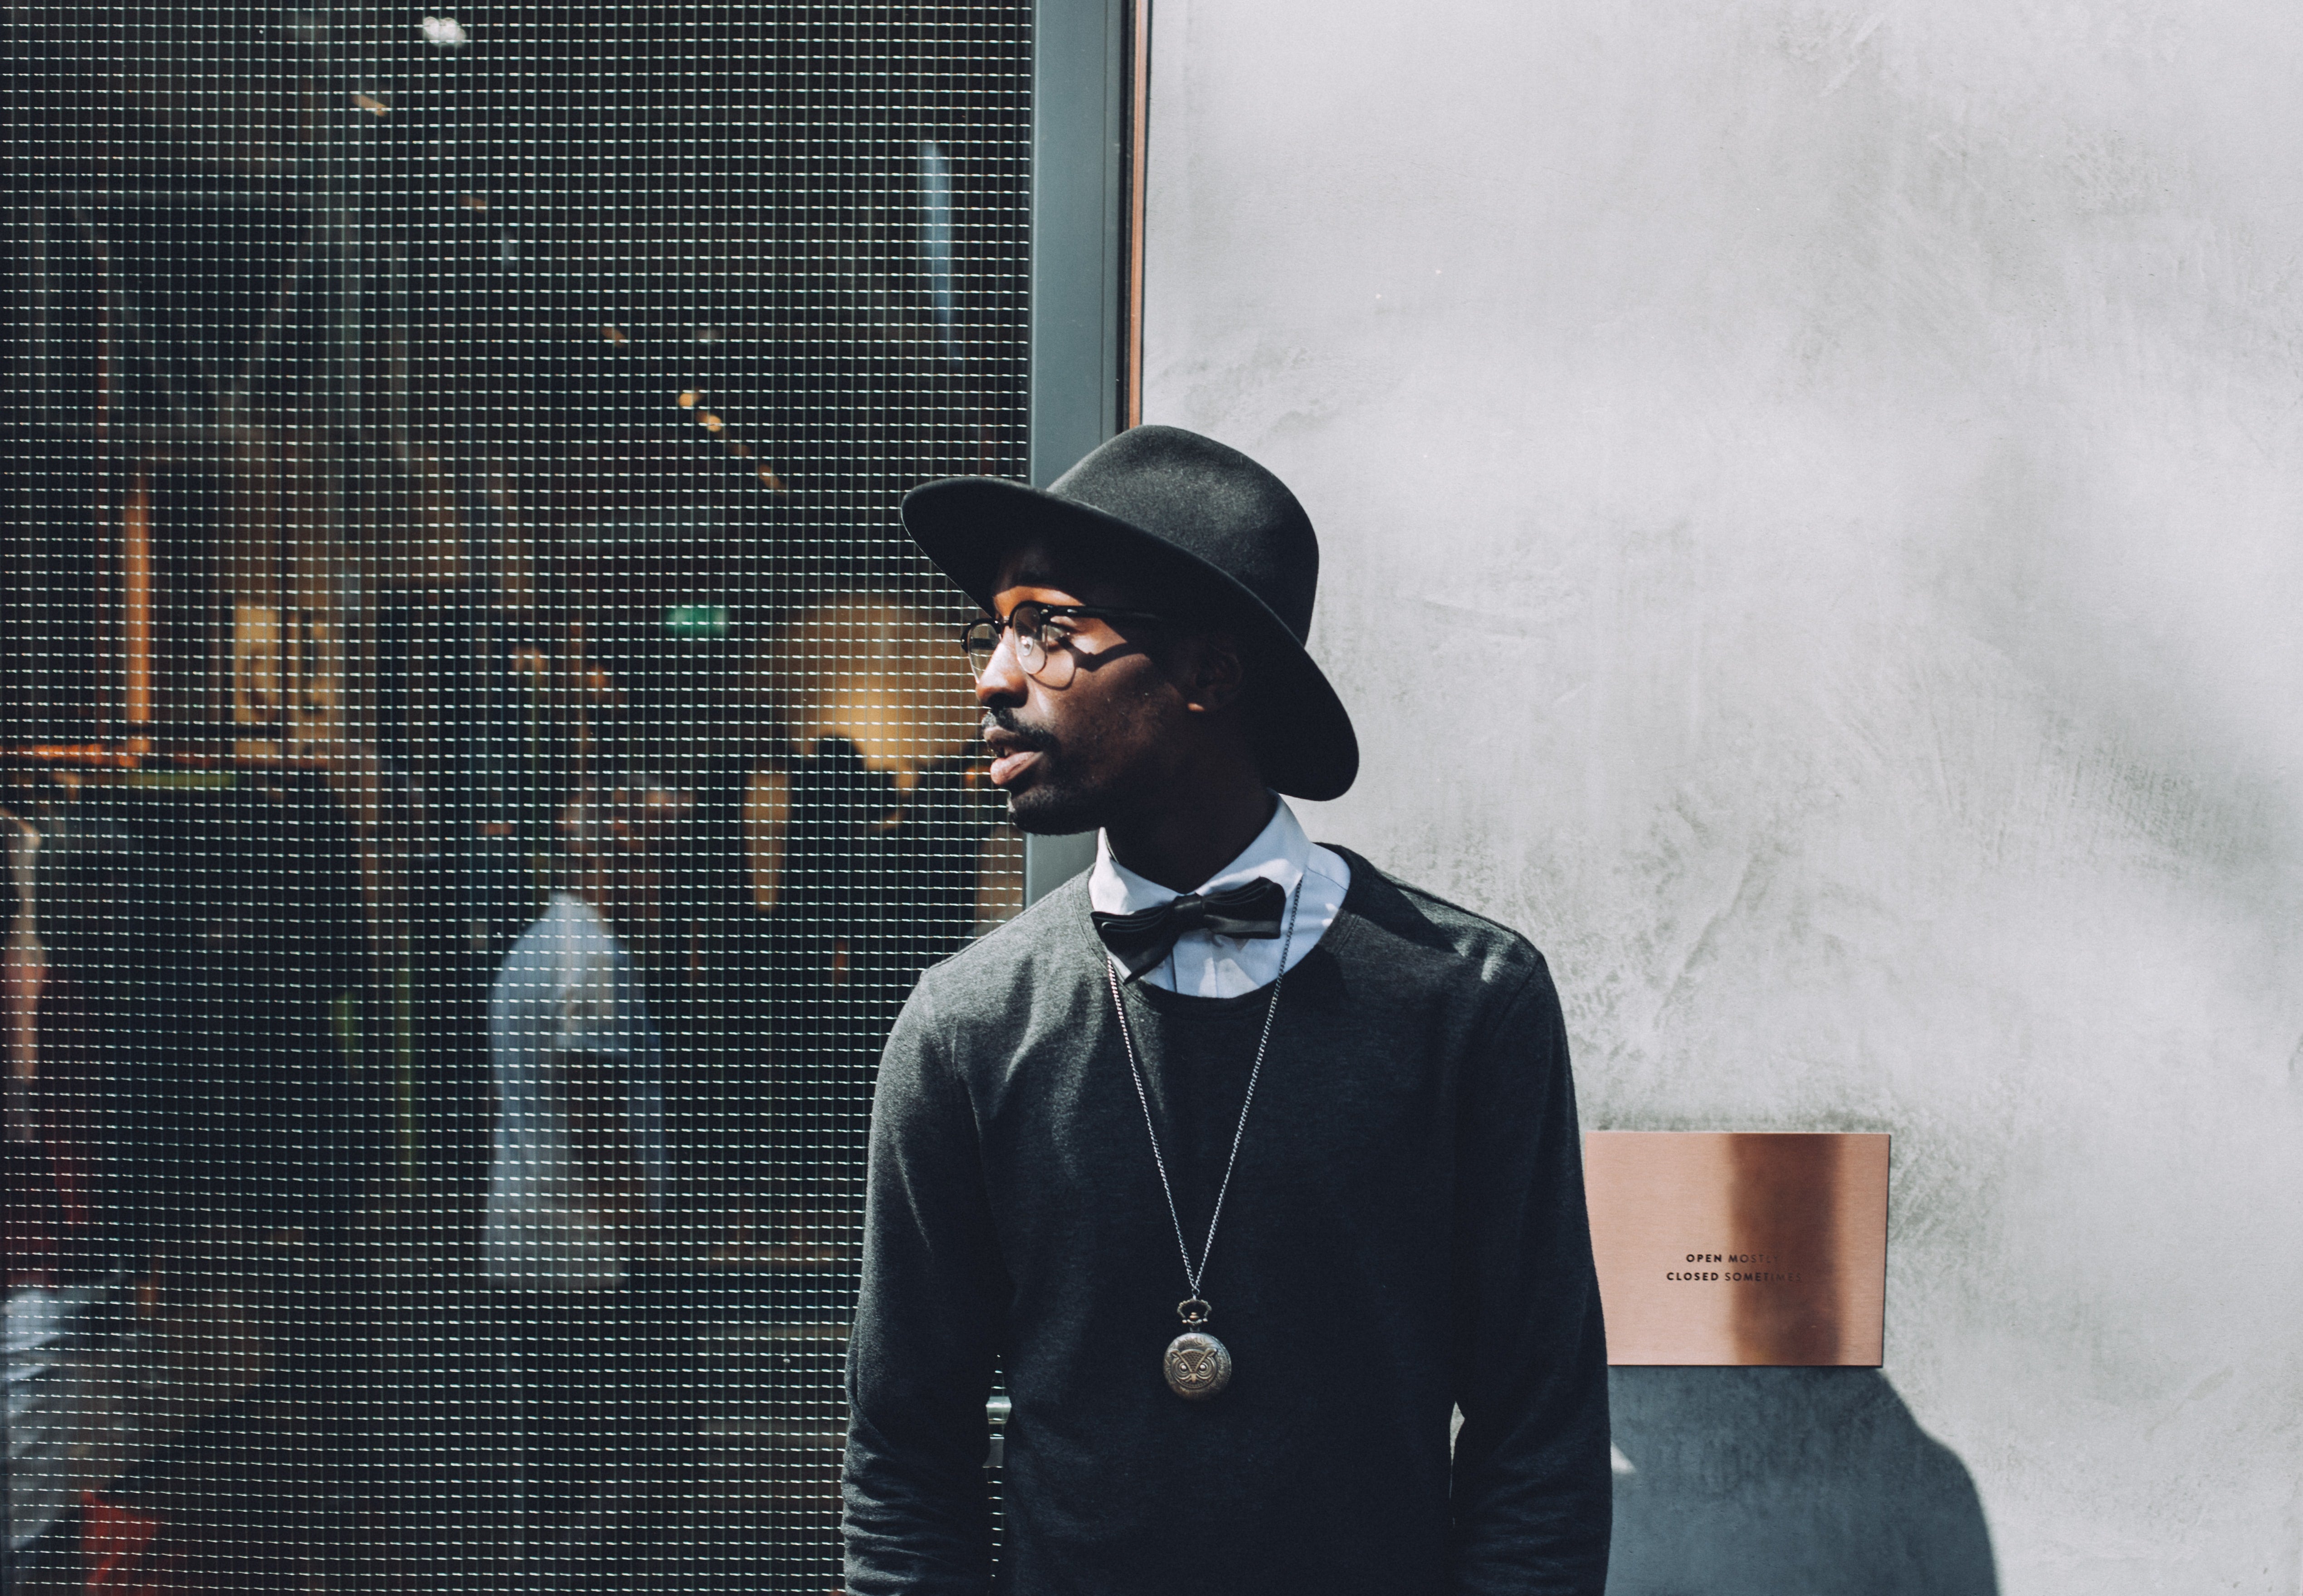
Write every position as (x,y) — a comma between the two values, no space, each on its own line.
(443,438)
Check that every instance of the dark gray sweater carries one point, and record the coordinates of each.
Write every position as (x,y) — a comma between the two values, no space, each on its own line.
(1404,1234)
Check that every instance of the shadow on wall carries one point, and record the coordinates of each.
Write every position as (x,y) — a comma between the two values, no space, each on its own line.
(1786,1482)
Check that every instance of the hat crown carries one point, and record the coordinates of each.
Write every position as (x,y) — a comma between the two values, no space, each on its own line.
(1210,501)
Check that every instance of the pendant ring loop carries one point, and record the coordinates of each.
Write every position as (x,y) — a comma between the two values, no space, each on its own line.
(1193,1310)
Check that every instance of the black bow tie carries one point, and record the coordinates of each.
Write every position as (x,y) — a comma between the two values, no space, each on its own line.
(1141,940)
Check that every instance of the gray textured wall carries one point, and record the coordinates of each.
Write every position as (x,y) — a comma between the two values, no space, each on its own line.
(1813,504)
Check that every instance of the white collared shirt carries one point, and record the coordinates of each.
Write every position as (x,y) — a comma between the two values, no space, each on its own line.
(1205,965)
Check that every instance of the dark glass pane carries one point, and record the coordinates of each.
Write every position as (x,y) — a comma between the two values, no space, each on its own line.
(482,765)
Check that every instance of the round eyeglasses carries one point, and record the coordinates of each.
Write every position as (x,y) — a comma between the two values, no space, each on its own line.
(1043,636)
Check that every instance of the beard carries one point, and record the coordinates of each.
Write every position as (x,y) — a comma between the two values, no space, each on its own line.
(1061,799)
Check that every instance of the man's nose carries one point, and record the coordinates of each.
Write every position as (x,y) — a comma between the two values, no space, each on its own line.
(1003,679)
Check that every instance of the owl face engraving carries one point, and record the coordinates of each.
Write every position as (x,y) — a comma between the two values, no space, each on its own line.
(1197,1365)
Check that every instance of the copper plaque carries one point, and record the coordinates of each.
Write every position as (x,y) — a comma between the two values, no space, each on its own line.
(1740,1247)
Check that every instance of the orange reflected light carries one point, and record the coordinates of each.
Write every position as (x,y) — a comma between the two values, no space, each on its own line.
(80,754)
(135,602)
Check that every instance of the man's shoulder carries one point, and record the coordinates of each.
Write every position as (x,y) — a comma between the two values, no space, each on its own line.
(570,954)
(569,927)
(1014,958)
(1415,929)
(532,960)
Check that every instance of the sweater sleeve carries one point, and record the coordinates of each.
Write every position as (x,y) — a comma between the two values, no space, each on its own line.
(918,1517)
(1532,1492)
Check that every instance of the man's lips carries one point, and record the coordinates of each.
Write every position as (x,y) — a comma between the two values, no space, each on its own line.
(1012,753)
(1007,767)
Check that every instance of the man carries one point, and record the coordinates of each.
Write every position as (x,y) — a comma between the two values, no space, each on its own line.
(1243,1164)
(577,1167)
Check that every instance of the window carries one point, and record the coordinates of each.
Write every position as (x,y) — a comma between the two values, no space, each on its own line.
(482,764)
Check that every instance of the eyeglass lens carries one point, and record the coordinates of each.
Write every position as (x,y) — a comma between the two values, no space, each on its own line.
(1030,624)
(979,643)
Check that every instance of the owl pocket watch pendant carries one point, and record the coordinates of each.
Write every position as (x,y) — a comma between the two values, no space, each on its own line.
(1197,1364)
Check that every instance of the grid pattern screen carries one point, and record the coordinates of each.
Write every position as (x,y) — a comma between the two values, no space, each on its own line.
(480,765)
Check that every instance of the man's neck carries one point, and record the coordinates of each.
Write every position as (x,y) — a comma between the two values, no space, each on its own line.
(1181,845)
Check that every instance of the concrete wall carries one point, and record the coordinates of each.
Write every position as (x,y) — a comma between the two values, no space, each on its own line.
(1813,505)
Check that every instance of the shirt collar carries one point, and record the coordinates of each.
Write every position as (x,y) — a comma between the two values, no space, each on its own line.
(1280,853)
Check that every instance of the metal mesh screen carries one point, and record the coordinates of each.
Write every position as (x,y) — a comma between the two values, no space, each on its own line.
(481,766)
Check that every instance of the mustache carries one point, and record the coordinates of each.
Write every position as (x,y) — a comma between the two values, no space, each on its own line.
(1032,738)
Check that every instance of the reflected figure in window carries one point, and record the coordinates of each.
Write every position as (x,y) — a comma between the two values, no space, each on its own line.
(577,1173)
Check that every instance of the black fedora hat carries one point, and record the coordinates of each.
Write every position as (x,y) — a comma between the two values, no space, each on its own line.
(1193,517)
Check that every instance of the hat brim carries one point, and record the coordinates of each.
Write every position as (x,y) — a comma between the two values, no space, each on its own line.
(968,525)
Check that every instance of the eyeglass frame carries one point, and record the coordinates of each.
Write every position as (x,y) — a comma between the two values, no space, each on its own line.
(1001,625)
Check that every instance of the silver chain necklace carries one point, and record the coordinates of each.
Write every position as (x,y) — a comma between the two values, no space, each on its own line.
(1197,1365)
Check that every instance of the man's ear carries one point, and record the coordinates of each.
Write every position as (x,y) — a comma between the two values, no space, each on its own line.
(1218,674)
